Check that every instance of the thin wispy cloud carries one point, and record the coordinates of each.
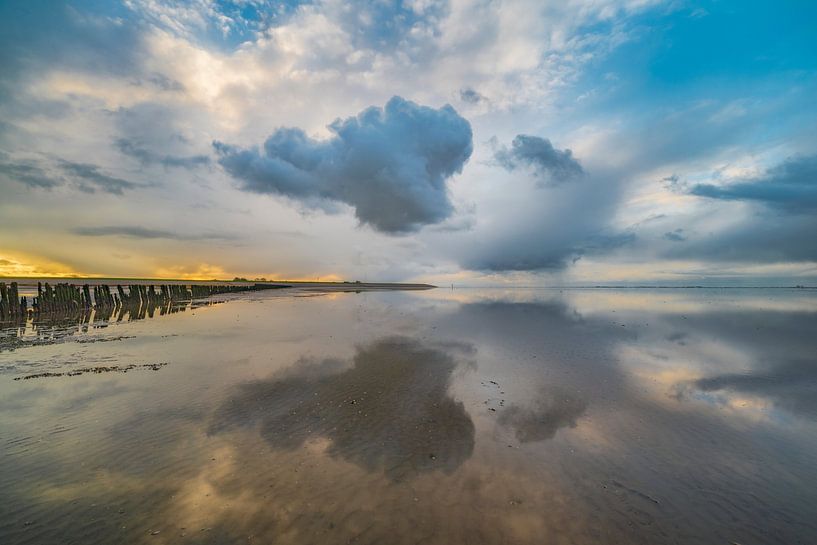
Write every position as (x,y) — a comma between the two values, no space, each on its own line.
(148,157)
(85,177)
(28,174)
(90,178)
(138,232)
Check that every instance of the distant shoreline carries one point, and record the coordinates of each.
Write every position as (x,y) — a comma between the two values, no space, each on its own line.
(354,285)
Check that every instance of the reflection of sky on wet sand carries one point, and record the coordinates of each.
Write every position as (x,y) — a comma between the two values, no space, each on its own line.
(472,416)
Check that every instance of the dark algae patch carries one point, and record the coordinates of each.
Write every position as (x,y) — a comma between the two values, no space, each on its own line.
(96,370)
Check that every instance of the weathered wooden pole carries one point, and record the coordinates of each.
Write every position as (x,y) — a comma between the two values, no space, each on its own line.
(49,298)
(14,299)
(3,300)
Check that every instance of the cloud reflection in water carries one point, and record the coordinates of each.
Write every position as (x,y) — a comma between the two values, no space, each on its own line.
(390,411)
(553,408)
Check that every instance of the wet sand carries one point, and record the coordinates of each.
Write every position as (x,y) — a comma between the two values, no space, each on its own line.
(465,416)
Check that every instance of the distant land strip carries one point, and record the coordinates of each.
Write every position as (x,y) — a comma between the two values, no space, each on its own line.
(34,296)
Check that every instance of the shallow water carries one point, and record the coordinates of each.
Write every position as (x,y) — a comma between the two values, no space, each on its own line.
(466,416)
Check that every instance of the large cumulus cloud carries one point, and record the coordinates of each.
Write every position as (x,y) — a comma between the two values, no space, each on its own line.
(390,164)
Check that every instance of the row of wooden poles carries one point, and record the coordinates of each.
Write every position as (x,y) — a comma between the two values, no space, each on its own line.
(68,297)
(117,314)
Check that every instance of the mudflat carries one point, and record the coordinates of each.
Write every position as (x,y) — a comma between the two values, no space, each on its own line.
(321,415)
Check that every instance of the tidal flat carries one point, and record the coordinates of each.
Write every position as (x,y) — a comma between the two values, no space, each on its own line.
(442,417)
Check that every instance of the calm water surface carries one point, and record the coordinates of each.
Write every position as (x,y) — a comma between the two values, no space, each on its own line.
(466,416)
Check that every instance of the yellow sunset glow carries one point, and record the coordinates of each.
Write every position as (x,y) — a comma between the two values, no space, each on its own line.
(13,266)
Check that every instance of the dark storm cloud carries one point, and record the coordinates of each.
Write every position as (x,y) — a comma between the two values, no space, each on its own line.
(535,252)
(549,227)
(90,179)
(564,217)
(791,186)
(553,165)
(148,157)
(389,164)
(135,231)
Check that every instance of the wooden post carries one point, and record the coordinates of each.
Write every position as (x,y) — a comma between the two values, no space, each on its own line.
(13,301)
(3,299)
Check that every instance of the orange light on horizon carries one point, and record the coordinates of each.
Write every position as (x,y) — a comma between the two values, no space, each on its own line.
(17,266)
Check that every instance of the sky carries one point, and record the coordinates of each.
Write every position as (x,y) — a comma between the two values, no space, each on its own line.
(482,142)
